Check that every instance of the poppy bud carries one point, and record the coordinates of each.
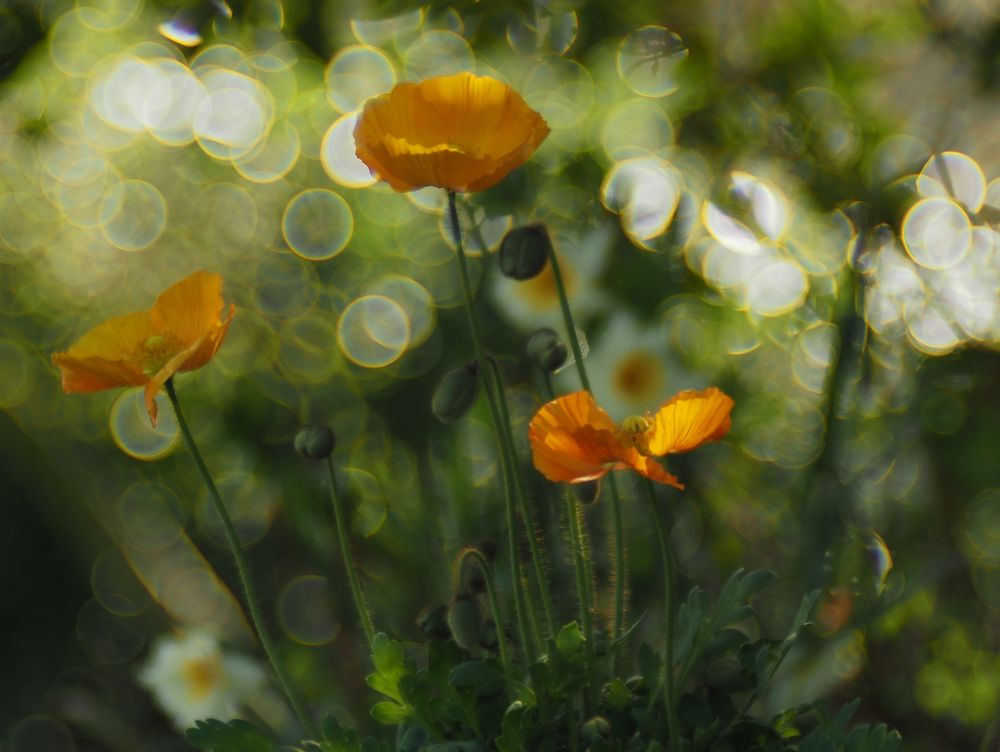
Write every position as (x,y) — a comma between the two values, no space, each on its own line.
(723,673)
(432,622)
(455,393)
(546,351)
(466,623)
(315,442)
(595,729)
(524,252)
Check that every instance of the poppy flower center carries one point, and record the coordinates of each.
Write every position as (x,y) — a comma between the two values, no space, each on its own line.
(201,675)
(155,352)
(635,432)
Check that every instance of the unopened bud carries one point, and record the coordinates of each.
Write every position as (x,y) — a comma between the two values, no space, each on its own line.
(315,442)
(594,729)
(524,251)
(546,351)
(466,623)
(455,393)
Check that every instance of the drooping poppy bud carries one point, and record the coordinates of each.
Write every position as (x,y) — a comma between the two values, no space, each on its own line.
(524,251)
(455,393)
(546,350)
(465,620)
(315,442)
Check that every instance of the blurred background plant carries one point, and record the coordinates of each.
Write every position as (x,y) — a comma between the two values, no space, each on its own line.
(796,200)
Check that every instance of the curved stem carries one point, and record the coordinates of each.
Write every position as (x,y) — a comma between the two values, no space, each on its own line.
(515,563)
(352,574)
(476,554)
(616,507)
(242,566)
(667,672)
(522,498)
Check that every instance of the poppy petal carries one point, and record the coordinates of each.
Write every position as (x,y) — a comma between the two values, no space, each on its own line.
(689,419)
(171,367)
(650,468)
(460,133)
(115,339)
(190,308)
(210,344)
(86,375)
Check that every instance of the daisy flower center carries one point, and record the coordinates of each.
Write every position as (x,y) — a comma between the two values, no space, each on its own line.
(201,675)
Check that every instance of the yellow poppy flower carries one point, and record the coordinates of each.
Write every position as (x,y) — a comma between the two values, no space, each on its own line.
(181,332)
(573,440)
(461,133)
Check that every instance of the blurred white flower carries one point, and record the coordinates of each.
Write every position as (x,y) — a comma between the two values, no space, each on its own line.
(630,369)
(192,679)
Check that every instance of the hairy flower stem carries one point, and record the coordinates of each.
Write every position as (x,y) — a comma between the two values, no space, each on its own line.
(619,573)
(521,496)
(667,672)
(491,594)
(250,594)
(520,600)
(352,574)
(583,592)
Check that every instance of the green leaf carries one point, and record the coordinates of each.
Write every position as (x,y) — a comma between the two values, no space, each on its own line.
(336,738)
(390,713)
(618,694)
(514,727)
(723,641)
(569,640)
(482,677)
(235,736)
(390,667)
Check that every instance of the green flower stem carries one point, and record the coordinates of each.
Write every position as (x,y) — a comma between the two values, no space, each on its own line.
(667,672)
(242,567)
(522,498)
(584,576)
(477,556)
(616,507)
(352,573)
(582,589)
(515,563)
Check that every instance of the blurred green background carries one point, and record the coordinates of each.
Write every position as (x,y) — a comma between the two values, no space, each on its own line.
(795,200)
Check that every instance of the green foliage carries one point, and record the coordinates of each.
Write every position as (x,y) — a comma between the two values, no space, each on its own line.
(235,736)
(454,704)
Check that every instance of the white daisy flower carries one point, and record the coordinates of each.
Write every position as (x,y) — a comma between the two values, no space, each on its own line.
(630,369)
(192,679)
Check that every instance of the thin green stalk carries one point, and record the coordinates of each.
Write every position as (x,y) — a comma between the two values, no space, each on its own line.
(667,672)
(522,498)
(616,507)
(242,566)
(352,574)
(515,563)
(583,592)
(476,554)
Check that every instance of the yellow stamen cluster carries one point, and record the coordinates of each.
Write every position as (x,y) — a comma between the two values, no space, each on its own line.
(635,432)
(155,352)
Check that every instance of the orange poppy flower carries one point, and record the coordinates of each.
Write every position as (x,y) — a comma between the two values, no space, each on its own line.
(181,332)
(461,133)
(573,440)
